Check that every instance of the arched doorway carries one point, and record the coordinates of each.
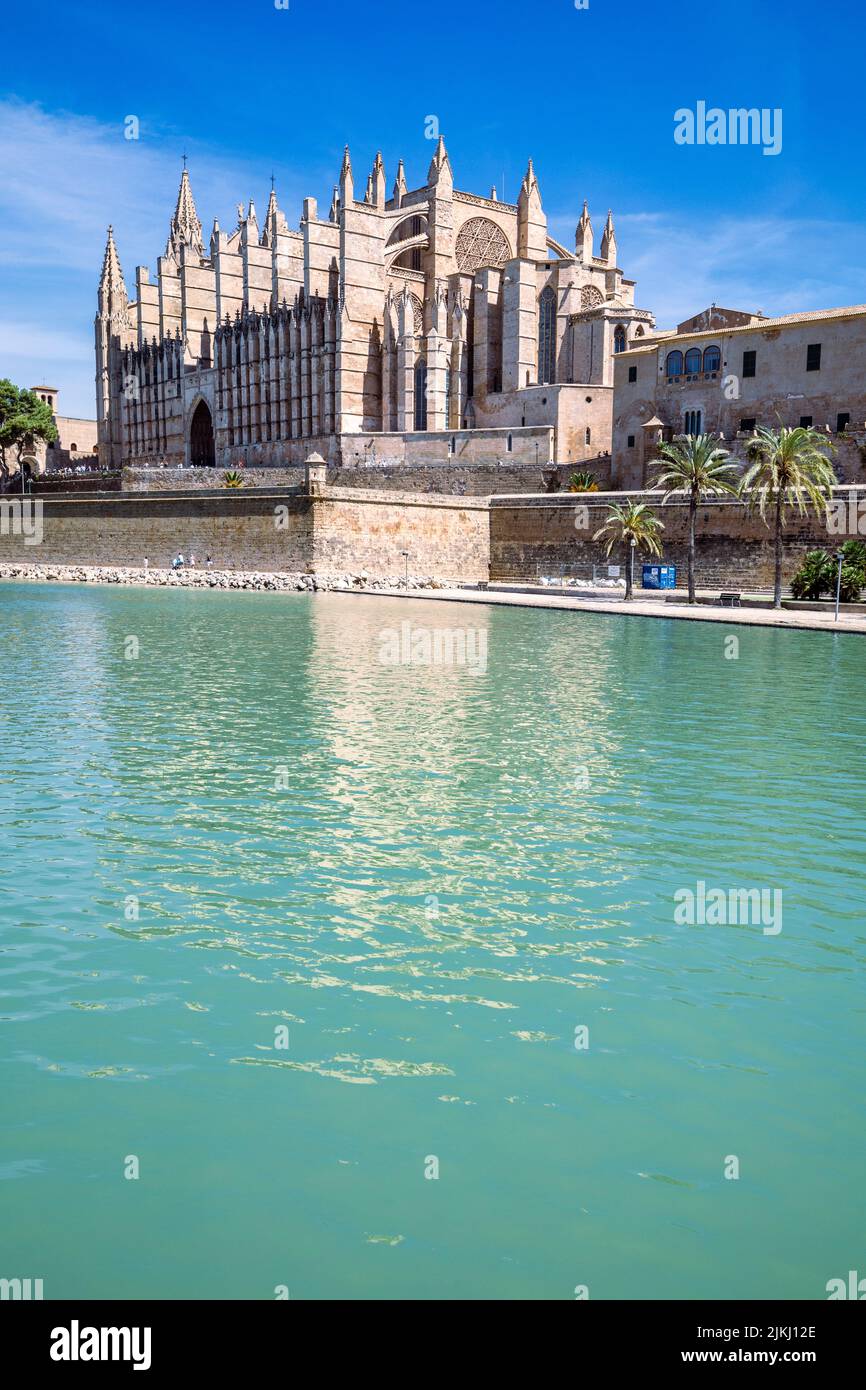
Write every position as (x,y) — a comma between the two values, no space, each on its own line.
(201,445)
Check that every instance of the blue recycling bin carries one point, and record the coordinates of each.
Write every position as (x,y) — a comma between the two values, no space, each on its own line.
(659,577)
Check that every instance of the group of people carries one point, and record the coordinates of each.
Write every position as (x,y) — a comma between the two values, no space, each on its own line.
(179,562)
(12,483)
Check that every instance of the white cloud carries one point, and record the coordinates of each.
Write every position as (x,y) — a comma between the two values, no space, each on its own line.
(777,264)
(63,178)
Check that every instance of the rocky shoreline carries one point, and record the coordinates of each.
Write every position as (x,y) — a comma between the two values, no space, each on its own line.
(189,578)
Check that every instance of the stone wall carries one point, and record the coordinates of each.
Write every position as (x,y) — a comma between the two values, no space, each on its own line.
(552,535)
(238,530)
(419,474)
(446,538)
(268,530)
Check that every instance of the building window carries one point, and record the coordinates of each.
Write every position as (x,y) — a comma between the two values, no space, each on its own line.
(509,443)
(750,359)
(813,357)
(619,338)
(712,359)
(588,435)
(747,426)
(632,373)
(692,422)
(805,422)
(630,442)
(421,396)
(693,361)
(842,421)
(674,363)
(73,448)
(546,335)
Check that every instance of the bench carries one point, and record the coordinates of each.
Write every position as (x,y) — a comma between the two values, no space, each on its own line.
(729,600)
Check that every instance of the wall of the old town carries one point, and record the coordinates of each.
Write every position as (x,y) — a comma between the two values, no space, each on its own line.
(267,529)
(554,535)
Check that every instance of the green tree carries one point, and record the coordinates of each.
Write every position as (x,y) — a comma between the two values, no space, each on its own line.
(700,467)
(24,419)
(632,522)
(789,468)
(9,395)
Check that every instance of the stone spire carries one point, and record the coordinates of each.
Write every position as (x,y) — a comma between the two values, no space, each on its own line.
(112,296)
(608,241)
(185,227)
(400,189)
(347,182)
(379,180)
(583,237)
(273,221)
(440,165)
(334,214)
(368,195)
(531,221)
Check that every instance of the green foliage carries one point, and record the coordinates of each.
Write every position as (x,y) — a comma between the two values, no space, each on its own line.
(24,418)
(816,576)
(789,466)
(231,478)
(818,572)
(696,464)
(582,480)
(632,522)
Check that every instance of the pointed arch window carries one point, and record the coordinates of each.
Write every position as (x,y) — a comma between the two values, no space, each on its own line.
(619,340)
(547,336)
(421,396)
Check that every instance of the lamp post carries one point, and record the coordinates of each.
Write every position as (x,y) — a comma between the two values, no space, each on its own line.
(632,545)
(405,555)
(840,558)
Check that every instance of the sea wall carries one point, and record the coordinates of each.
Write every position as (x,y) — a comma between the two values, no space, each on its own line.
(441,536)
(531,537)
(268,530)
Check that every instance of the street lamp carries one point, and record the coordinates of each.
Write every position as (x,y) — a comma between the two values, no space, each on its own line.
(405,555)
(632,545)
(840,558)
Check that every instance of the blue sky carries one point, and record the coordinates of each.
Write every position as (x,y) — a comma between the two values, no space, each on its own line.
(590,94)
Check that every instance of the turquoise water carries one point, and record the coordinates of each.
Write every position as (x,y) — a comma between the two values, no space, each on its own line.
(431,876)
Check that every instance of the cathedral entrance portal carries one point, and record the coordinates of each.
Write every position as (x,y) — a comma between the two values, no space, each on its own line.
(201,445)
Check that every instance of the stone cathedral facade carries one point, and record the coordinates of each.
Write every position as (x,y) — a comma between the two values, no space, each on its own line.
(431,323)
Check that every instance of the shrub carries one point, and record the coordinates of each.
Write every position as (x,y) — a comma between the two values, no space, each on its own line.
(816,575)
(231,478)
(582,480)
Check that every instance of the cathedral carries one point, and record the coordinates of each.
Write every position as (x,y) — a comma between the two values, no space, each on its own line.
(425,323)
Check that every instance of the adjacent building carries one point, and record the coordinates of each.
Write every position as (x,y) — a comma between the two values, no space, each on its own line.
(429,324)
(77,439)
(727,372)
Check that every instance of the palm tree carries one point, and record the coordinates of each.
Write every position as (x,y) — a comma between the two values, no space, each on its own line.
(631,525)
(789,467)
(698,465)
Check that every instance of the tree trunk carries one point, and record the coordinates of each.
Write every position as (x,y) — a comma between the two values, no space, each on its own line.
(777,588)
(693,507)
